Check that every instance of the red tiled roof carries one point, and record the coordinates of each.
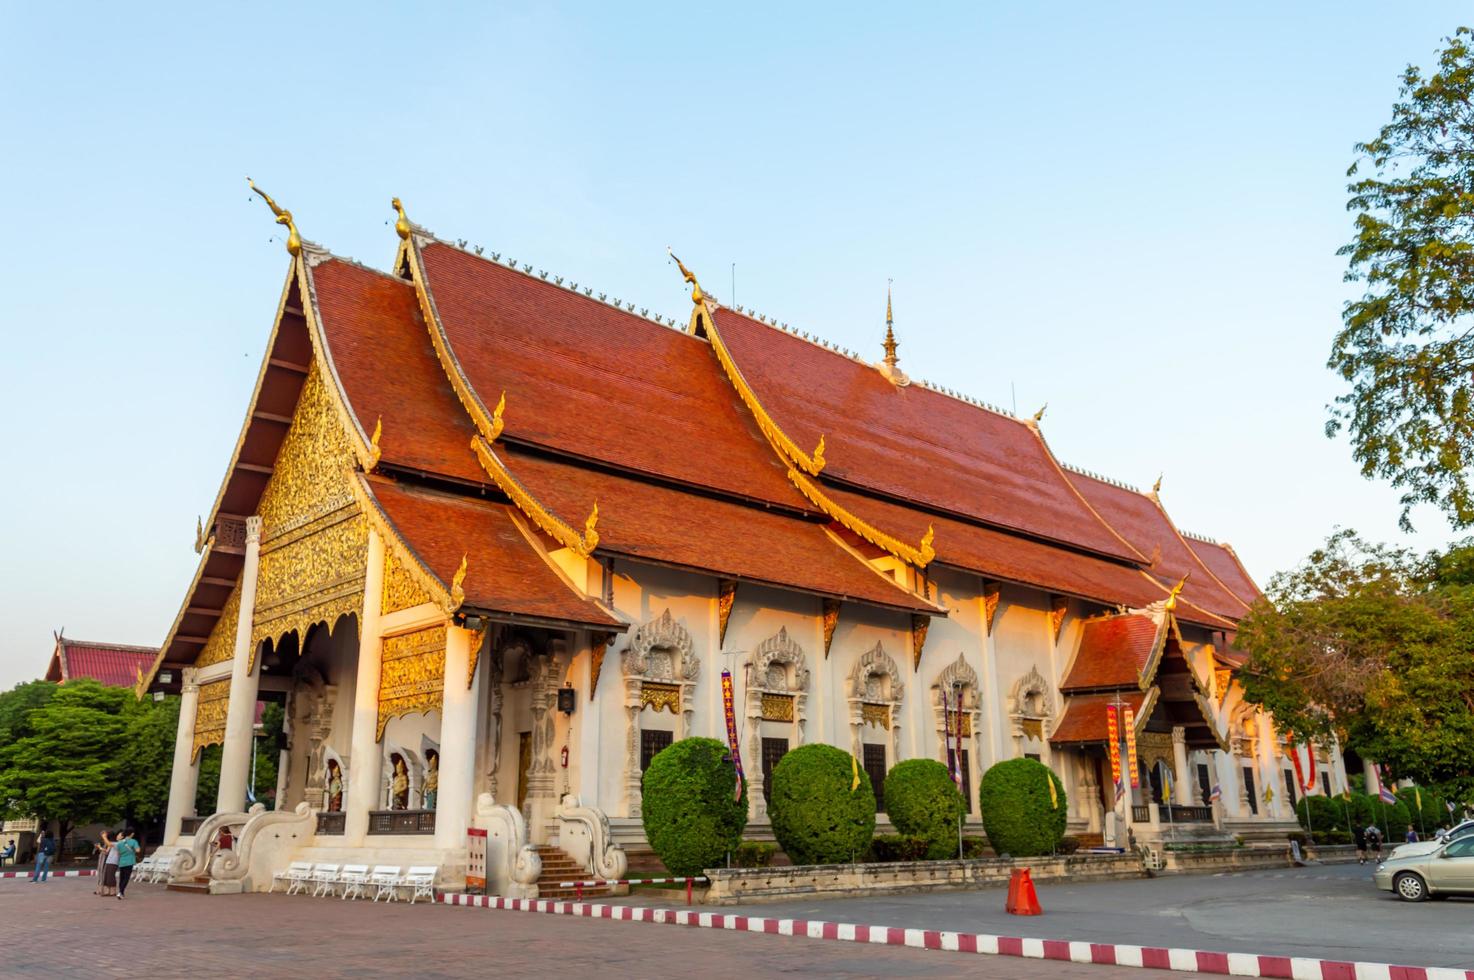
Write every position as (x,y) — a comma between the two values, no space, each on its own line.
(998,554)
(1144,523)
(592,381)
(1114,652)
(911,442)
(113,664)
(658,524)
(504,572)
(381,353)
(1084,716)
(1223,563)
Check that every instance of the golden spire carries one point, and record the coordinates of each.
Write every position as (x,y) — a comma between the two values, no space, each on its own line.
(283,217)
(697,296)
(1039,415)
(1157,487)
(890,344)
(1176,589)
(402,226)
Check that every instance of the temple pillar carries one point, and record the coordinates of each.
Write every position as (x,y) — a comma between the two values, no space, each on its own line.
(1183,774)
(457,739)
(186,774)
(245,677)
(1231,782)
(1268,770)
(363,759)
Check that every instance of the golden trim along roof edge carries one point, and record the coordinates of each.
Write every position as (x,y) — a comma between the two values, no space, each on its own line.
(920,556)
(523,499)
(448,598)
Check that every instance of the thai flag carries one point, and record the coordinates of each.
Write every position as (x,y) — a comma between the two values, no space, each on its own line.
(1216,795)
(1388,797)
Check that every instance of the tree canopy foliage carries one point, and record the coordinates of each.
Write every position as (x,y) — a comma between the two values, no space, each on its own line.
(1407,345)
(1375,646)
(81,752)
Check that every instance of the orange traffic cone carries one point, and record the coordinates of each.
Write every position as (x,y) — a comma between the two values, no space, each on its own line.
(1022,900)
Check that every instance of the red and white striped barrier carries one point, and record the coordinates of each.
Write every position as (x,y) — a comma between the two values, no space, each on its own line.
(51,874)
(609,883)
(1149,957)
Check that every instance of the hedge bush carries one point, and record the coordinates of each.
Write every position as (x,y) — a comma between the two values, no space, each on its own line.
(923,802)
(1324,814)
(817,817)
(691,817)
(1433,814)
(1017,812)
(754,854)
(896,847)
(1391,818)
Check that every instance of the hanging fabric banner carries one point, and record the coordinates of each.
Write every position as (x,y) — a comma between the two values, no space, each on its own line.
(957,720)
(731,715)
(1304,778)
(1113,735)
(1131,770)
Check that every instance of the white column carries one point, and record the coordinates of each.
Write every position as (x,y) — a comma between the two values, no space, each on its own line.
(1269,771)
(185,778)
(1183,776)
(363,758)
(1230,782)
(457,741)
(240,718)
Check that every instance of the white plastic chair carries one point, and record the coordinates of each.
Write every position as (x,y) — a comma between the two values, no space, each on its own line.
(354,878)
(325,879)
(386,879)
(144,870)
(421,882)
(297,876)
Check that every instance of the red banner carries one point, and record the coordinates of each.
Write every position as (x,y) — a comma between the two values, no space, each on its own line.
(1131,748)
(731,715)
(1306,779)
(1113,732)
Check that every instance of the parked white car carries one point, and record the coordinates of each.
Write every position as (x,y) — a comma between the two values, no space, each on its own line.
(1429,846)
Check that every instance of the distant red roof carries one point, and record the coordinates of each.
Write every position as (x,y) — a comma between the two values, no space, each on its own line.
(1084,716)
(1224,564)
(1114,652)
(113,664)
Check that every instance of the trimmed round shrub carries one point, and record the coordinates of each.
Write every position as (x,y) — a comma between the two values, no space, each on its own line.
(817,817)
(922,801)
(1367,809)
(692,819)
(1325,814)
(1018,814)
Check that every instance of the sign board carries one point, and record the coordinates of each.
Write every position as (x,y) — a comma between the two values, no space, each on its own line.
(476,860)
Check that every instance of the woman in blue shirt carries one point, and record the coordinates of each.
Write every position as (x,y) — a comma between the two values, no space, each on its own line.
(128,851)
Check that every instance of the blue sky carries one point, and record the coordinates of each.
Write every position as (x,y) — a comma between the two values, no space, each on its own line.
(1128,211)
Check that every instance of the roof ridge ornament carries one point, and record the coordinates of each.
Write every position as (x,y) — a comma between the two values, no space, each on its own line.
(283,217)
(402,227)
(890,366)
(698,296)
(497,424)
(457,593)
(1171,604)
(1157,487)
(373,447)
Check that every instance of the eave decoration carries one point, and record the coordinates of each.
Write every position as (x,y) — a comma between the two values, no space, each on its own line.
(919,556)
(411,577)
(582,545)
(919,625)
(412,676)
(726,598)
(596,666)
(209,716)
(831,620)
(1058,606)
(992,591)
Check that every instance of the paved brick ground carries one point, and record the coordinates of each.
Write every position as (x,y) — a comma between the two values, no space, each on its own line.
(62,929)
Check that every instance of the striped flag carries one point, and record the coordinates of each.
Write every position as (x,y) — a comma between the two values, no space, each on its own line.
(1216,795)
(1387,796)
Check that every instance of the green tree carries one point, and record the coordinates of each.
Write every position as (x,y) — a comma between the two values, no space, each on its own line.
(1407,345)
(693,812)
(67,768)
(266,745)
(1373,646)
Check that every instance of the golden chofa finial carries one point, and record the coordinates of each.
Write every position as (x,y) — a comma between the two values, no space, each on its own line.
(697,295)
(1157,487)
(1039,415)
(590,532)
(457,592)
(402,227)
(1176,590)
(283,217)
(373,447)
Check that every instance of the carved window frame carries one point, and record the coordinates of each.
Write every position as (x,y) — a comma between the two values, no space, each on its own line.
(660,633)
(1019,715)
(778,649)
(875,662)
(960,671)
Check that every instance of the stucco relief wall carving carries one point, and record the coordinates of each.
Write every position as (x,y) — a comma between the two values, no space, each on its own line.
(777,690)
(660,653)
(875,695)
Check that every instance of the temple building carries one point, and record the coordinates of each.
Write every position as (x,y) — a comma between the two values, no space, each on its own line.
(492,538)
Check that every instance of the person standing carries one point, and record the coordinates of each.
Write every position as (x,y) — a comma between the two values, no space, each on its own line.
(1359,838)
(101,849)
(128,849)
(1374,842)
(45,851)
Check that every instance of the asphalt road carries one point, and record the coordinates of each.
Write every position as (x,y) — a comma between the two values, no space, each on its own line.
(1327,912)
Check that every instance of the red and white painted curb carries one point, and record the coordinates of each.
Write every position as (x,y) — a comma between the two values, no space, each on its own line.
(609,882)
(1150,957)
(51,874)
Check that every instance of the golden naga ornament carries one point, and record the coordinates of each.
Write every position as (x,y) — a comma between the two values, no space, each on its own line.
(402,226)
(1171,605)
(373,451)
(457,593)
(497,425)
(698,297)
(283,217)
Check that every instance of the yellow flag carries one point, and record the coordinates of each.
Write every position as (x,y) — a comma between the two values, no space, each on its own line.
(1269,794)
(854,774)
(1418,797)
(1053,793)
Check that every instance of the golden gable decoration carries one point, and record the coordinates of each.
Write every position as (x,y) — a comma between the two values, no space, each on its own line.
(401,589)
(209,716)
(220,647)
(412,675)
(314,541)
(831,620)
(658,696)
(777,707)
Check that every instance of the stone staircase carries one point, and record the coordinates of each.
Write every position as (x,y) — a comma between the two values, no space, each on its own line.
(559,867)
